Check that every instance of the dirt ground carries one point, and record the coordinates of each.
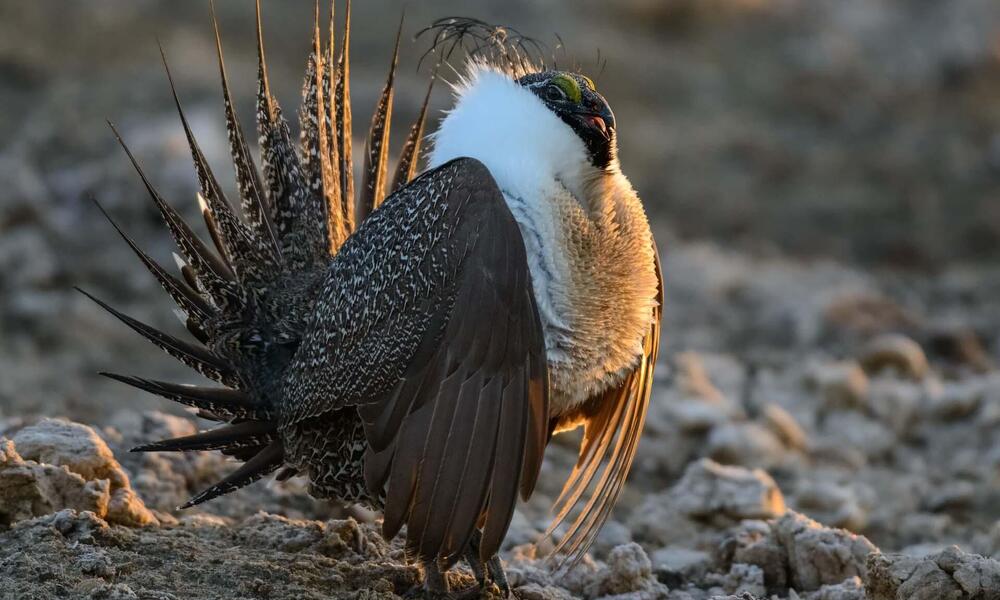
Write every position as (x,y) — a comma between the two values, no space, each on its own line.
(823,178)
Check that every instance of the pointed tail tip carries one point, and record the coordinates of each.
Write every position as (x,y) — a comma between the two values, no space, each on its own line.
(150,447)
(87,294)
(204,496)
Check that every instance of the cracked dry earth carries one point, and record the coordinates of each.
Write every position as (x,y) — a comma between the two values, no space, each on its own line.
(863,467)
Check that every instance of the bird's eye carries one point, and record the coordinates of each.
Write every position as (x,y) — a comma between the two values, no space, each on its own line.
(554,93)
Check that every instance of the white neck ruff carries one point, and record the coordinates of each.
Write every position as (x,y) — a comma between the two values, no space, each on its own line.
(506,127)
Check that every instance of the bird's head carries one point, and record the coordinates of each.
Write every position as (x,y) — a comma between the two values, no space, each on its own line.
(531,128)
(575,100)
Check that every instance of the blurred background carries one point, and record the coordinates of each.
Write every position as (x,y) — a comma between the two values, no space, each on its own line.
(818,173)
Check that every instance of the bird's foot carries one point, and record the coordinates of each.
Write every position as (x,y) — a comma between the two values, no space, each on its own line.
(498,575)
(489,573)
(435,585)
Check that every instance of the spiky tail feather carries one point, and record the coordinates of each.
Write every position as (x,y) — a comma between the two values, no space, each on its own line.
(246,302)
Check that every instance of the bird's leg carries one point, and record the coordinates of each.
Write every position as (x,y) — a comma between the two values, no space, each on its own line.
(435,584)
(476,563)
(495,569)
(491,570)
(435,581)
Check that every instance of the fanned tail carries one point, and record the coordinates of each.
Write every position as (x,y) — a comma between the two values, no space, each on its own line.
(247,300)
(250,257)
(343,120)
(301,233)
(318,147)
(223,403)
(409,156)
(262,462)
(247,179)
(377,147)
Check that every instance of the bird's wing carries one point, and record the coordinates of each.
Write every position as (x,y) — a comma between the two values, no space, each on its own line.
(429,327)
(613,422)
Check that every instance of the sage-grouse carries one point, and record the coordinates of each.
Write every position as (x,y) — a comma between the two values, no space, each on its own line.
(414,346)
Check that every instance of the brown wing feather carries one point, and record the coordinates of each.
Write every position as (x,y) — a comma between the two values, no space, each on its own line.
(467,423)
(613,423)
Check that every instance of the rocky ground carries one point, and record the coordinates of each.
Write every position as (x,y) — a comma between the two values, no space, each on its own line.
(853,478)
(823,178)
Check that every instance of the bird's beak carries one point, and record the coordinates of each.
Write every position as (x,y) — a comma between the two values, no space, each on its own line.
(597,122)
(597,115)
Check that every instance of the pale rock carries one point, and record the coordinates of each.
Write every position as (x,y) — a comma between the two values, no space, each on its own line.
(534,591)
(784,425)
(84,527)
(754,543)
(709,489)
(75,446)
(818,555)
(696,415)
(747,444)
(743,579)
(694,404)
(693,380)
(957,400)
(795,551)
(858,431)
(612,535)
(832,503)
(849,589)
(628,571)
(56,464)
(897,352)
(679,563)
(829,450)
(707,493)
(952,496)
(949,575)
(897,403)
(29,489)
(526,567)
(726,373)
(841,384)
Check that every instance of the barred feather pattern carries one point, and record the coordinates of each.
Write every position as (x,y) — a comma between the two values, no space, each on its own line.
(374,281)
(343,120)
(330,450)
(314,148)
(338,226)
(248,182)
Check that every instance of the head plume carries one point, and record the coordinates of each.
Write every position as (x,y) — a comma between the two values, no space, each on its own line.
(499,48)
